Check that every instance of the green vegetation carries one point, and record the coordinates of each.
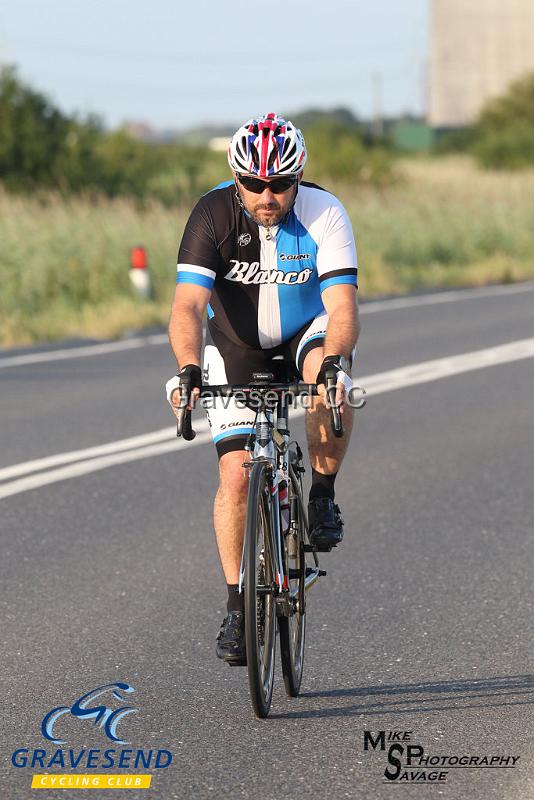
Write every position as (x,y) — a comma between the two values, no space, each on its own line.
(41,148)
(76,198)
(64,262)
(447,223)
(337,152)
(503,136)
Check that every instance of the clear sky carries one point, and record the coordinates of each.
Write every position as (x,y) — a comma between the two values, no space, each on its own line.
(178,64)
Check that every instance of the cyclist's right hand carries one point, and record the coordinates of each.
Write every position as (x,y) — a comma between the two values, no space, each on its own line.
(184,388)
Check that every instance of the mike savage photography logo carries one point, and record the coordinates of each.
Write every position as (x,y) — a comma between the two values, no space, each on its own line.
(408,762)
(104,708)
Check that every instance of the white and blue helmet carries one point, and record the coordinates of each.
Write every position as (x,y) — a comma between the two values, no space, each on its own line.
(267,146)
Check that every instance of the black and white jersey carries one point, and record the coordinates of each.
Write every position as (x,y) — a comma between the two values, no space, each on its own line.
(266,282)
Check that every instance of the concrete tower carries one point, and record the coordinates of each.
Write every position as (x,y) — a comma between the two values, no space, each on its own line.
(478,47)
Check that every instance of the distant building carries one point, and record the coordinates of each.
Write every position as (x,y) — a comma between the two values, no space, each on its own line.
(410,135)
(478,47)
(219,144)
(145,132)
(139,129)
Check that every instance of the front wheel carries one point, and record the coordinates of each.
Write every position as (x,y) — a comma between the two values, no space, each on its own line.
(260,606)
(293,628)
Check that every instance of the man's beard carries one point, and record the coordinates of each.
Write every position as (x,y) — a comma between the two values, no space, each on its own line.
(278,215)
(276,212)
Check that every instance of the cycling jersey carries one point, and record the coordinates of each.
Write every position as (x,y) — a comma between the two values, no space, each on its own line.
(266,282)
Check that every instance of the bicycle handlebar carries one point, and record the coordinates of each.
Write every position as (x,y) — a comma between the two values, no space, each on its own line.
(335,417)
(184,426)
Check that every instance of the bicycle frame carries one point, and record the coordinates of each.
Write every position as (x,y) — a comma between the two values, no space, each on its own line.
(273,575)
(271,445)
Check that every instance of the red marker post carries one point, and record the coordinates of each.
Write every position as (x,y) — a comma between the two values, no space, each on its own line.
(139,273)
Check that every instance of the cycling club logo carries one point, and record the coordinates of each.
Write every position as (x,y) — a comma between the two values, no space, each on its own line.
(83,708)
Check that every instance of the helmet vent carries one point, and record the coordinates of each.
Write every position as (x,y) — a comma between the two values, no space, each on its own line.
(255,156)
(272,157)
(291,152)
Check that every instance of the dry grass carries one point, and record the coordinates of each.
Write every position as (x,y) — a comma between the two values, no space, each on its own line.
(445,223)
(64,263)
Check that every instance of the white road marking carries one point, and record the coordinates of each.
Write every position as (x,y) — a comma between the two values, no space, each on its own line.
(427,371)
(85,467)
(90,452)
(394,303)
(371,307)
(83,351)
(121,452)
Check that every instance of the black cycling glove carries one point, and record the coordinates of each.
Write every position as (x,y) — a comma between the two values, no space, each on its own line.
(332,365)
(190,378)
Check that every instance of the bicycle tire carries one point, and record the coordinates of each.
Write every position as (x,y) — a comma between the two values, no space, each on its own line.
(292,629)
(260,609)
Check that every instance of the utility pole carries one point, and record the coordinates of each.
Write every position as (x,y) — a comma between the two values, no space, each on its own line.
(425,89)
(378,122)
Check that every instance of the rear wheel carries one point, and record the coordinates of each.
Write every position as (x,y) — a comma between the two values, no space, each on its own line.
(260,606)
(293,628)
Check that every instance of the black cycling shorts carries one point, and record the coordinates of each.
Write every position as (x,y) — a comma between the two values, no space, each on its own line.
(226,362)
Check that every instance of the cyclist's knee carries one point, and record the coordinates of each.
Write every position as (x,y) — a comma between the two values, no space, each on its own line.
(232,475)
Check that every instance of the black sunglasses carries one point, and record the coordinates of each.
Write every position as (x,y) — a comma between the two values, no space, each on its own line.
(277,186)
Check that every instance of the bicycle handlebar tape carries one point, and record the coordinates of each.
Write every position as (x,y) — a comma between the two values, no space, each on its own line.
(331,388)
(184,427)
(333,368)
(190,378)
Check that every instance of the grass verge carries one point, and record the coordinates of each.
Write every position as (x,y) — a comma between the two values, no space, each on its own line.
(64,263)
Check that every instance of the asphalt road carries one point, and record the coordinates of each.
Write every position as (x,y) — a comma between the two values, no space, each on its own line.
(423,624)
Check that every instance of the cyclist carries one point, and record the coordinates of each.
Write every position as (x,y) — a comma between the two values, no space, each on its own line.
(273,260)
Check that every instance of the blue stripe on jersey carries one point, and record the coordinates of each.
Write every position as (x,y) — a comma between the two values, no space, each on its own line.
(299,302)
(350,279)
(195,277)
(222,185)
(233,432)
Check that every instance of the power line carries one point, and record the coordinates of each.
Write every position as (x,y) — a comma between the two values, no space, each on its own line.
(219,58)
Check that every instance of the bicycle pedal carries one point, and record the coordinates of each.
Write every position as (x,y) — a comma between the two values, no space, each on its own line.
(318,548)
(324,548)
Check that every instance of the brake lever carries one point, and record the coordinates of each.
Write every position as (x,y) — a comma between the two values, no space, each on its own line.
(337,423)
(184,427)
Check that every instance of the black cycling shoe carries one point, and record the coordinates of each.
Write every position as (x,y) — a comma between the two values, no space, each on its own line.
(326,525)
(231,640)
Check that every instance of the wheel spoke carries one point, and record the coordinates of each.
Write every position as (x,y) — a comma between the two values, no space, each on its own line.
(260,613)
(292,627)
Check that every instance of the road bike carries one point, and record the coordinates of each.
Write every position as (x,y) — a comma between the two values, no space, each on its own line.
(278,564)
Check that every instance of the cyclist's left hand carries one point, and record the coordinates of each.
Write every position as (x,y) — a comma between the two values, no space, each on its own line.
(338,366)
(187,382)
